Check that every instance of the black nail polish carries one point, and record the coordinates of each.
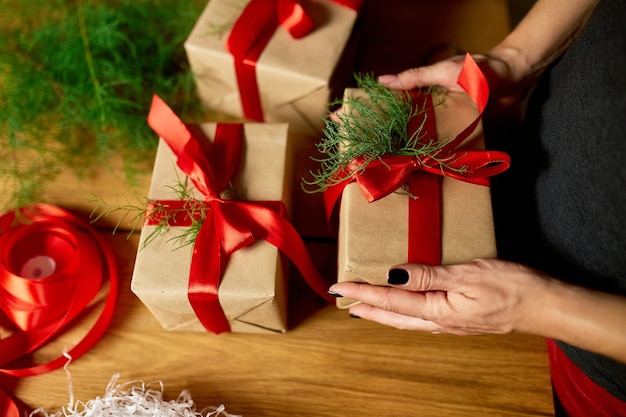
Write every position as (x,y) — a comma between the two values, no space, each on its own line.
(397,276)
(334,294)
(354,316)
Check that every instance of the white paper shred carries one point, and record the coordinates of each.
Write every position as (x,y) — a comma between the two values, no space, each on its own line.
(137,399)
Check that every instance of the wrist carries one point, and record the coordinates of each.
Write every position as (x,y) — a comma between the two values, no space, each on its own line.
(510,62)
(540,313)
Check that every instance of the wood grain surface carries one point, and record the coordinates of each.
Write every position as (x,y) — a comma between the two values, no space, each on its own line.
(327,364)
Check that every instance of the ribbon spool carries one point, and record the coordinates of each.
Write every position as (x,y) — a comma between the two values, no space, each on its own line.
(52,266)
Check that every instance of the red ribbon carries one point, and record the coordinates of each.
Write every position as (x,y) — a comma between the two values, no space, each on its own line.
(252,32)
(384,176)
(229,225)
(578,394)
(52,265)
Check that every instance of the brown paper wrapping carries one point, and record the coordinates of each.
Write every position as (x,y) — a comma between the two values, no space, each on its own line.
(296,78)
(374,236)
(253,290)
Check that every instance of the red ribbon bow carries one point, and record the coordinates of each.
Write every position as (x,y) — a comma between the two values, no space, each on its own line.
(230,225)
(52,265)
(252,32)
(383,176)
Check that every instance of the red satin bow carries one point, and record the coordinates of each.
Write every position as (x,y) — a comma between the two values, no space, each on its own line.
(229,225)
(384,176)
(252,32)
(52,265)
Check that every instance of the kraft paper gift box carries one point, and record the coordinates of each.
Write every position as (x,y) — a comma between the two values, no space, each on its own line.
(253,289)
(373,236)
(295,78)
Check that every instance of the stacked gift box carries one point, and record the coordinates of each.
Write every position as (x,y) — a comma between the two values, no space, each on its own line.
(277,76)
(274,61)
(281,100)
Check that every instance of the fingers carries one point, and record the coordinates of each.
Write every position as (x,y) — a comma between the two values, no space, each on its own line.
(426,305)
(407,80)
(336,115)
(424,280)
(418,277)
(392,319)
(444,74)
(421,290)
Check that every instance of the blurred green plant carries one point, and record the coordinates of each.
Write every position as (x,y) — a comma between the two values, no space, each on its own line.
(76,82)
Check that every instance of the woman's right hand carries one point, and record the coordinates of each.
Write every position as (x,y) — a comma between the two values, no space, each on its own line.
(506,89)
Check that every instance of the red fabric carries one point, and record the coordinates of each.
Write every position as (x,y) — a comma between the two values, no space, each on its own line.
(577,393)
(8,408)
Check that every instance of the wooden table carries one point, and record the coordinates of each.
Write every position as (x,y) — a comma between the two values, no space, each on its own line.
(327,364)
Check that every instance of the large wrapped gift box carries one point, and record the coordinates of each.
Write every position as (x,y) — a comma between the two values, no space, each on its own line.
(253,288)
(373,236)
(296,78)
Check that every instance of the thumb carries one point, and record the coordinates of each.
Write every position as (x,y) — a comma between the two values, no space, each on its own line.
(420,277)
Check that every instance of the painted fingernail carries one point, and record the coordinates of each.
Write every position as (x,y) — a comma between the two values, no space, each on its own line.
(397,276)
(354,316)
(334,294)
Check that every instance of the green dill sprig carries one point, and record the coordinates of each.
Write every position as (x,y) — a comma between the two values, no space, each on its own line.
(162,216)
(369,127)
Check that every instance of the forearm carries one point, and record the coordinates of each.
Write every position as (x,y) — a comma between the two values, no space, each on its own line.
(588,319)
(547,29)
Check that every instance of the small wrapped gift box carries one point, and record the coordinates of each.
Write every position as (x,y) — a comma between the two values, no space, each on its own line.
(273,61)
(233,276)
(446,215)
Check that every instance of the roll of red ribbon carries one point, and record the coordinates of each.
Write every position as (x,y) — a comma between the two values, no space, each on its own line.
(52,266)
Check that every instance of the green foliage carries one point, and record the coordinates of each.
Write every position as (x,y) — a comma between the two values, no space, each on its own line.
(159,215)
(77,79)
(369,127)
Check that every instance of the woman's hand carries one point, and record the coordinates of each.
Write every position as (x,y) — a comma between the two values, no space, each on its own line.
(490,296)
(481,297)
(506,87)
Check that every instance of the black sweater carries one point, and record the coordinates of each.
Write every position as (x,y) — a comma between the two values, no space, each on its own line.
(562,206)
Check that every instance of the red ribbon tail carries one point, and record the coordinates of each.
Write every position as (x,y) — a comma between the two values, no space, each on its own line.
(206,271)
(8,407)
(268,225)
(331,197)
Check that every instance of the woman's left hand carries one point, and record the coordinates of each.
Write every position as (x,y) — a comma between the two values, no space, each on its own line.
(485,296)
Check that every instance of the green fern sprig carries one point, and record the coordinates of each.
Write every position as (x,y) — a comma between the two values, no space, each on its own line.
(197,213)
(163,217)
(370,127)
(132,215)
